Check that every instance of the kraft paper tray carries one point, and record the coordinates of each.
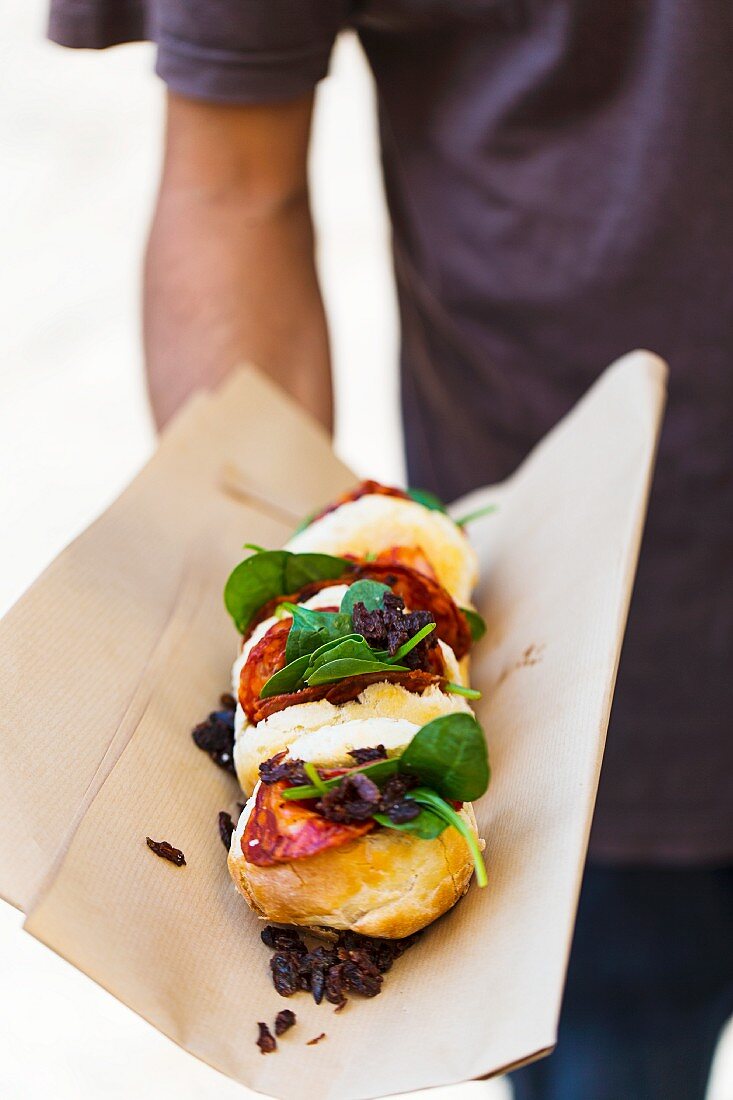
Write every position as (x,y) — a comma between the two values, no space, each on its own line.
(123,644)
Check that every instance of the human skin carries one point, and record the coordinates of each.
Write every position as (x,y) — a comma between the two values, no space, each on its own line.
(230,271)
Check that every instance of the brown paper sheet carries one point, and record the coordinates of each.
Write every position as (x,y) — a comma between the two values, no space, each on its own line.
(123,644)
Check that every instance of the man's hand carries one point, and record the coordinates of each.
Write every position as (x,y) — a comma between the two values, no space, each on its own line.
(230,273)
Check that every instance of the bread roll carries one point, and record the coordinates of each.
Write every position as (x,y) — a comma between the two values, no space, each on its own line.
(374,523)
(253,744)
(382,704)
(386,883)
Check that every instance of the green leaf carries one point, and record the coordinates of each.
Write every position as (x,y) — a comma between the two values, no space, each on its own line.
(427,499)
(332,671)
(449,754)
(312,772)
(370,593)
(412,642)
(379,771)
(485,511)
(427,825)
(441,808)
(292,676)
(271,573)
(476,623)
(287,679)
(459,689)
(351,647)
(312,629)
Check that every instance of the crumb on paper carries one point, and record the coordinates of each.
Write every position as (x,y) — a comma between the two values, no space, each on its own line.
(346,963)
(166,851)
(226,828)
(284,1020)
(312,1042)
(266,1040)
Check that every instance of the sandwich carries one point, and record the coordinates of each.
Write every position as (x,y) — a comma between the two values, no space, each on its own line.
(376,519)
(380,844)
(354,738)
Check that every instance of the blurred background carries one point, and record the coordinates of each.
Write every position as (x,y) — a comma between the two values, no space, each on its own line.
(80,140)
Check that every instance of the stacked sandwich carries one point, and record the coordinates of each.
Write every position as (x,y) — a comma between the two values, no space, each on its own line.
(355,742)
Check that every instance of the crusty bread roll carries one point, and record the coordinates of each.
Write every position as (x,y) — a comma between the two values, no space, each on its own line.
(253,744)
(381,704)
(374,523)
(386,883)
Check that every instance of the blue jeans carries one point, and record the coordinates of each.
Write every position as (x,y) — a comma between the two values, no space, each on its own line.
(650,987)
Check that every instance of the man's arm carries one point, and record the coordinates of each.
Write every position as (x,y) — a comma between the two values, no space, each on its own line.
(230,273)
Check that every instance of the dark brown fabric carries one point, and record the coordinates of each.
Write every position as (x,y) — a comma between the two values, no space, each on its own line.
(560,179)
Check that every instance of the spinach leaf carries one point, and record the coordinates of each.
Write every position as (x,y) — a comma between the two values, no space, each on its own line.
(270,573)
(449,754)
(427,499)
(352,647)
(292,677)
(312,629)
(427,825)
(441,808)
(331,671)
(287,679)
(379,772)
(370,593)
(476,623)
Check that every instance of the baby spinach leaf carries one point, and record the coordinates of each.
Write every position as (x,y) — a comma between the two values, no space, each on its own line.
(351,647)
(311,629)
(476,623)
(441,808)
(427,825)
(449,754)
(379,772)
(331,671)
(287,679)
(427,499)
(370,593)
(270,573)
(292,676)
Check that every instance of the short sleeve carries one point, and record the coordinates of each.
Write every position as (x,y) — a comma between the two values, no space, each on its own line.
(225,51)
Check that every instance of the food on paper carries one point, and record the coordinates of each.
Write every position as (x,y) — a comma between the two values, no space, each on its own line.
(353,735)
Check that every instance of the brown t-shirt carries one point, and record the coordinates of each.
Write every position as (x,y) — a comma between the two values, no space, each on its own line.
(560,179)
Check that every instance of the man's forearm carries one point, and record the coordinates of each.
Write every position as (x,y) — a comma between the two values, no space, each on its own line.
(230,277)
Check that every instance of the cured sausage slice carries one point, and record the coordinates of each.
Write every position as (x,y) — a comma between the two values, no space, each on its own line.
(278,831)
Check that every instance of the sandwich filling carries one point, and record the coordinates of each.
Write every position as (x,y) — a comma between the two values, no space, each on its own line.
(300,809)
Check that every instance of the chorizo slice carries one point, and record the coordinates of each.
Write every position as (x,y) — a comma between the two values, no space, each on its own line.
(278,831)
(344,691)
(414,557)
(363,489)
(265,659)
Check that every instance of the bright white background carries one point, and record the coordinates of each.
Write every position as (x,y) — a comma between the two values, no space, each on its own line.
(79,147)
